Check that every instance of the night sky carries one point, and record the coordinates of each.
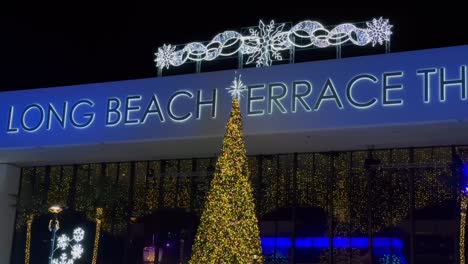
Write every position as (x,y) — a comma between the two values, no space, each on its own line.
(44,47)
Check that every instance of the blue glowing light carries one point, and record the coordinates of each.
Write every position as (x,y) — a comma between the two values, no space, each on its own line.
(465,174)
(465,169)
(382,245)
(338,242)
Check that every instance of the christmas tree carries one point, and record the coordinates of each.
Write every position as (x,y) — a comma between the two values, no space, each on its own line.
(228,231)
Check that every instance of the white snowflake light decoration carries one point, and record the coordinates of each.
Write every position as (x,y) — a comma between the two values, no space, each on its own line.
(77,251)
(236,88)
(264,44)
(63,242)
(165,56)
(78,234)
(379,31)
(268,41)
(63,260)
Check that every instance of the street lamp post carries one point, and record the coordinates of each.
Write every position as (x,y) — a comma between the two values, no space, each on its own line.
(54,225)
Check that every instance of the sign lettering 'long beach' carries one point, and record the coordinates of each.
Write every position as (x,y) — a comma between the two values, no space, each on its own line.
(399,88)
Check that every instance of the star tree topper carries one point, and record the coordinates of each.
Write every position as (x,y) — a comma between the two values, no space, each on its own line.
(237,88)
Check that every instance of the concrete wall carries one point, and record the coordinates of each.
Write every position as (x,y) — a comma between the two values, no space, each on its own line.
(9,186)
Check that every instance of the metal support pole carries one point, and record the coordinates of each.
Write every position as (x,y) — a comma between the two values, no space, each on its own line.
(240,60)
(160,71)
(292,52)
(338,51)
(53,229)
(387,46)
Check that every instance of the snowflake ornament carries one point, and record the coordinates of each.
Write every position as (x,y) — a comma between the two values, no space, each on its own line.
(379,31)
(62,242)
(236,88)
(78,234)
(63,260)
(77,251)
(267,43)
(165,56)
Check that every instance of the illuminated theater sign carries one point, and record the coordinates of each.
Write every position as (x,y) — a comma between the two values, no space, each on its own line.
(381,90)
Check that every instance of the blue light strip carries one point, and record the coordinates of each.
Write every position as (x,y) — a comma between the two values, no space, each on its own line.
(338,242)
(382,245)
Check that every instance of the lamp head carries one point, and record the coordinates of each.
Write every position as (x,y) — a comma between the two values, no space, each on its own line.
(55,209)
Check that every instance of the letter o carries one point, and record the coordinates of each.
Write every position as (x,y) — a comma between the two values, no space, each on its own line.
(26,111)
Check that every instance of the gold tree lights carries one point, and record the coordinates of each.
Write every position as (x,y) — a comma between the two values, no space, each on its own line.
(228,231)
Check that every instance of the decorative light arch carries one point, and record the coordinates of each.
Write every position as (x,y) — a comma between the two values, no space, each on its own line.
(264,44)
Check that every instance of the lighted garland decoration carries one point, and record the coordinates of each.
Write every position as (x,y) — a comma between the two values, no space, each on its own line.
(27,251)
(99,217)
(264,44)
(463,206)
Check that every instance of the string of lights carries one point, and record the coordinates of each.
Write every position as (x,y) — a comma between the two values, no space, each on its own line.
(99,217)
(27,250)
(389,194)
(463,206)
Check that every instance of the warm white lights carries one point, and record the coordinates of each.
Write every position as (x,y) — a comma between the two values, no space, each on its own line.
(264,44)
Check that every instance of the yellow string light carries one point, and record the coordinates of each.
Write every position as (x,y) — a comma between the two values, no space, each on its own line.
(27,252)
(463,206)
(99,214)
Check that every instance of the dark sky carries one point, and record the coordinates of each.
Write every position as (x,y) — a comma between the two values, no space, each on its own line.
(43,48)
